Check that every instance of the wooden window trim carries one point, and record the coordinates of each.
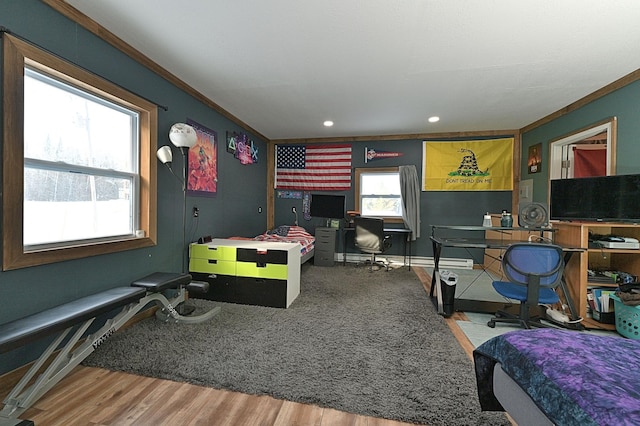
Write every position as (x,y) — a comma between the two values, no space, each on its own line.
(17,54)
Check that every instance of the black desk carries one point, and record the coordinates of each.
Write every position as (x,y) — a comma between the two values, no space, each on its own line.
(482,243)
(390,231)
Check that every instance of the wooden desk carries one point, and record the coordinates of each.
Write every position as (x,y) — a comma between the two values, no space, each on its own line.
(390,231)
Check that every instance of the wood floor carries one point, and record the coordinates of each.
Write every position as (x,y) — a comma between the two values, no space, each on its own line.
(94,396)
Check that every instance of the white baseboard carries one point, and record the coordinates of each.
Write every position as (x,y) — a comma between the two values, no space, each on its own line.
(426,262)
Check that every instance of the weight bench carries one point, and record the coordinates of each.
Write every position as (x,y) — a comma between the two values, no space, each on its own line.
(159,282)
(79,314)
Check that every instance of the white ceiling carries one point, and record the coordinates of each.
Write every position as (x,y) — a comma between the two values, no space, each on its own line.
(382,67)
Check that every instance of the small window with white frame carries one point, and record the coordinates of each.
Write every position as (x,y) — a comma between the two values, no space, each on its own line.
(378,193)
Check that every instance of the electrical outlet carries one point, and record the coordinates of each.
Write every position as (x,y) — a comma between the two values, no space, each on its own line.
(196,211)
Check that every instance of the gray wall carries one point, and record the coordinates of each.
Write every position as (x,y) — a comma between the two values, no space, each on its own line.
(436,207)
(233,211)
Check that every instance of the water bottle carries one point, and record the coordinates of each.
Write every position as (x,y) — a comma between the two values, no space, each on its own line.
(486,220)
(506,221)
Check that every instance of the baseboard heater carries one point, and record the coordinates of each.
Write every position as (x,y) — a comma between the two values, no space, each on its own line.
(427,262)
(445,262)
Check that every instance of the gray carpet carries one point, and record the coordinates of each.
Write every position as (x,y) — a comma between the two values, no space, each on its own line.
(361,342)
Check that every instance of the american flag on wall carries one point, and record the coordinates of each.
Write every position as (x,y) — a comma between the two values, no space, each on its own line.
(313,167)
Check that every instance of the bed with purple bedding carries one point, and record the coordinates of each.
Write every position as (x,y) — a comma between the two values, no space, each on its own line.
(572,378)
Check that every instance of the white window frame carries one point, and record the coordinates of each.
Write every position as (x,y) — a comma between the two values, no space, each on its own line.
(40,229)
(359,173)
(19,55)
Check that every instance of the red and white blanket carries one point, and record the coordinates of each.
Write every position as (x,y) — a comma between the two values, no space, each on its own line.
(289,234)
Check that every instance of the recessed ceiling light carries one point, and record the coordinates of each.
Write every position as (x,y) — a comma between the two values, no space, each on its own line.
(328,123)
(434,119)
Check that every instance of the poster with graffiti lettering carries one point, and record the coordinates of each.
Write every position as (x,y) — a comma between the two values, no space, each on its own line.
(242,148)
(202,173)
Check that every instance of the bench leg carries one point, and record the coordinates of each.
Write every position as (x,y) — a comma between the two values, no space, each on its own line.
(168,312)
(22,397)
(15,422)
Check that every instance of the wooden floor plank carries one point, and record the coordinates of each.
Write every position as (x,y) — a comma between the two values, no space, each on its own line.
(173,395)
(203,411)
(260,410)
(116,405)
(62,402)
(332,417)
(298,414)
(192,403)
(158,393)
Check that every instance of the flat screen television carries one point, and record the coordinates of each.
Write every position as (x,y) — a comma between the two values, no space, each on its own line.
(604,198)
(327,206)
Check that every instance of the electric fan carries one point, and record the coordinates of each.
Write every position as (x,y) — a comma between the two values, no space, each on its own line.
(533,215)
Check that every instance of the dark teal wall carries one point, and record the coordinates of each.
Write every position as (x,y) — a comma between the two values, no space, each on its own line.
(233,211)
(623,103)
(241,189)
(436,207)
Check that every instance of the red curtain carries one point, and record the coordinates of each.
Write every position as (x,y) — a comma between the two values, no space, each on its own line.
(589,162)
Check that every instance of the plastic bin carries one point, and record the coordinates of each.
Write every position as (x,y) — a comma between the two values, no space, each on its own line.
(448,281)
(604,317)
(627,319)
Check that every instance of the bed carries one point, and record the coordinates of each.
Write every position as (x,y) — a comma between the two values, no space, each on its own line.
(291,234)
(551,376)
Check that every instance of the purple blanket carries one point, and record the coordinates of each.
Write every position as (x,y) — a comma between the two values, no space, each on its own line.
(574,378)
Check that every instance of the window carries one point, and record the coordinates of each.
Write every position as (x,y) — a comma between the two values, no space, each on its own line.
(78,168)
(80,165)
(378,193)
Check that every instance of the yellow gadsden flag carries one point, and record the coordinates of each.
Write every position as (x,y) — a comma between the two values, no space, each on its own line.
(480,165)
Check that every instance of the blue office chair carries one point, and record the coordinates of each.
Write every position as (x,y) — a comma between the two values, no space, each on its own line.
(370,239)
(534,270)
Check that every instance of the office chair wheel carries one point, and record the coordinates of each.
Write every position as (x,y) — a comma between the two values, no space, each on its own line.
(491,324)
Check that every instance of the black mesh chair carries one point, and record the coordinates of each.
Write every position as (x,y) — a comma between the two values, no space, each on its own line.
(370,239)
(534,270)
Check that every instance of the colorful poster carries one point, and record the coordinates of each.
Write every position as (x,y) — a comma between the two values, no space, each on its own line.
(313,167)
(202,178)
(242,148)
(477,165)
(289,194)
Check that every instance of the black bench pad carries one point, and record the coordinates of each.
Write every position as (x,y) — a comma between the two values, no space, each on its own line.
(24,330)
(161,281)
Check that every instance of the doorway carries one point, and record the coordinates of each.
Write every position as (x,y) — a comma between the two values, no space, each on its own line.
(585,152)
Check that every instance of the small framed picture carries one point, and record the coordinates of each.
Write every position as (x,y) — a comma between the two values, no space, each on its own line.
(534,162)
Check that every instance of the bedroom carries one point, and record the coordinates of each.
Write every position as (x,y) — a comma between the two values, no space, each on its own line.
(240,208)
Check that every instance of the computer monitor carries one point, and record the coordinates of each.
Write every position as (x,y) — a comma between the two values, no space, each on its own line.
(327,206)
(602,198)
